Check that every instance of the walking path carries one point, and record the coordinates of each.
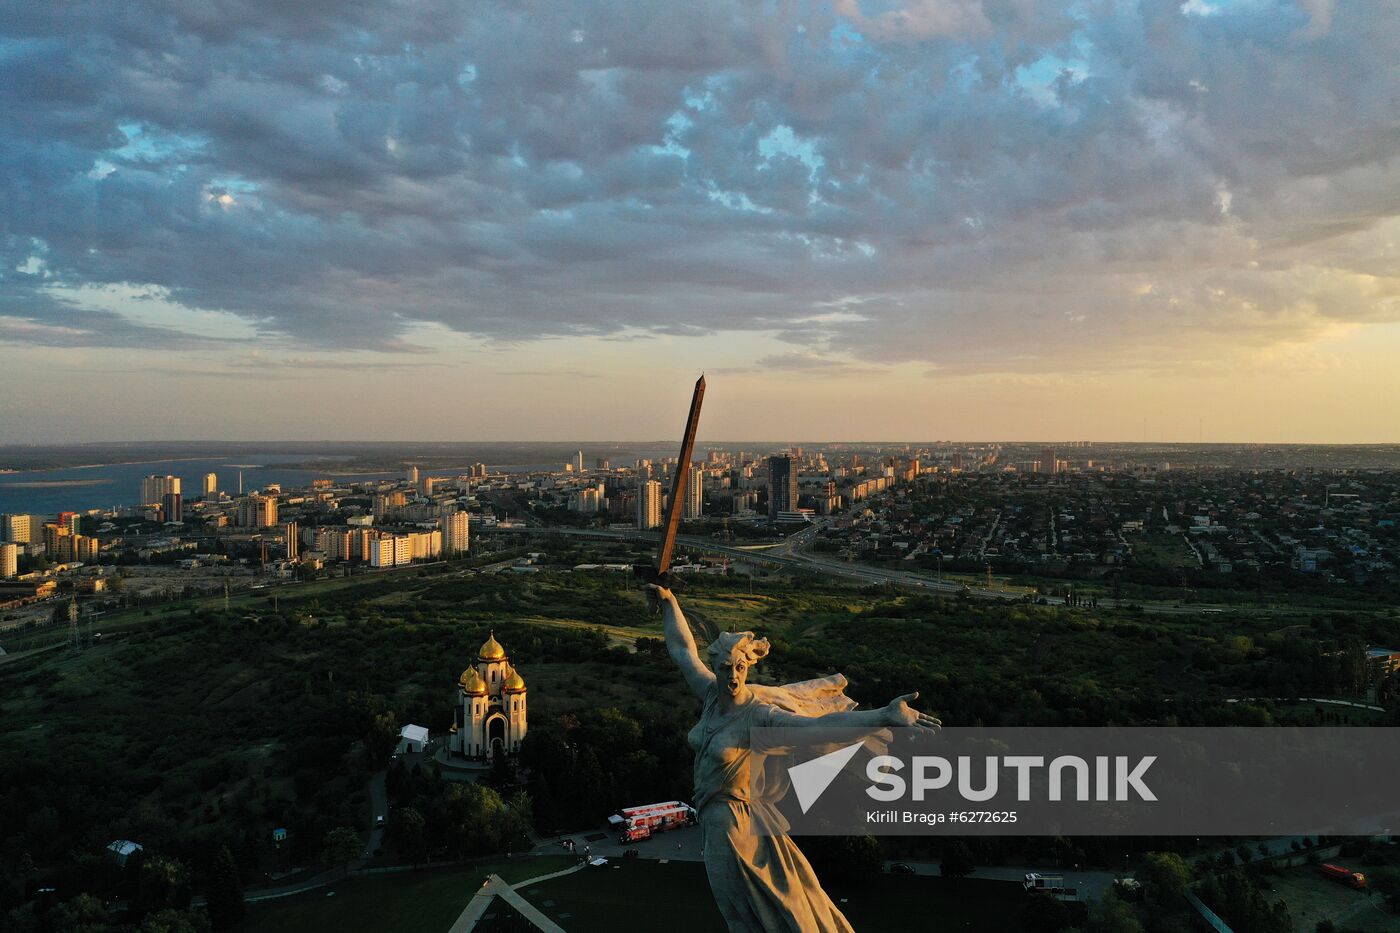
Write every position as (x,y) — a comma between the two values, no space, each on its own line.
(495,887)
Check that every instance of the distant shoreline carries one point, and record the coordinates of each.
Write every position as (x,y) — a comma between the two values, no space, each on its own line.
(57,483)
(98,466)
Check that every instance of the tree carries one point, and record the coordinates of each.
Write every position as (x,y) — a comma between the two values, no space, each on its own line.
(1044,914)
(1236,897)
(410,830)
(1163,876)
(172,921)
(164,883)
(82,914)
(225,892)
(381,739)
(473,819)
(957,860)
(1112,915)
(518,819)
(342,846)
(1386,883)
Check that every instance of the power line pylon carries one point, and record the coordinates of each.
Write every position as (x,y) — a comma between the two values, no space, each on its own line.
(75,639)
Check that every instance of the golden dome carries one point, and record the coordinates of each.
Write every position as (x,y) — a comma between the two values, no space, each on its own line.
(514,683)
(492,650)
(472,683)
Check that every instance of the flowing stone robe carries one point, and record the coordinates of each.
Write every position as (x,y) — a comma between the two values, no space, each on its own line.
(761,881)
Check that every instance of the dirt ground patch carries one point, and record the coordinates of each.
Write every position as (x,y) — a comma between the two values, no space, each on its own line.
(1312,897)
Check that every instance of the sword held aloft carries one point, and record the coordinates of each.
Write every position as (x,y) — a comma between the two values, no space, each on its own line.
(659,573)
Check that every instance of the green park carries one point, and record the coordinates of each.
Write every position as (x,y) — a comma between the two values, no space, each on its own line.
(237,742)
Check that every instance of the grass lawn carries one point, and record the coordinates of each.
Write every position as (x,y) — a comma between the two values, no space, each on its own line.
(676,897)
(426,901)
(1162,550)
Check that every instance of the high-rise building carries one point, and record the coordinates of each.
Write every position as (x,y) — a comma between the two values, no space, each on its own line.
(18,529)
(384,503)
(456,532)
(649,504)
(293,542)
(398,550)
(211,485)
(255,511)
(154,488)
(586,501)
(425,545)
(412,476)
(379,552)
(9,561)
(602,463)
(782,485)
(578,462)
(622,504)
(53,539)
(1047,461)
(81,548)
(173,505)
(694,493)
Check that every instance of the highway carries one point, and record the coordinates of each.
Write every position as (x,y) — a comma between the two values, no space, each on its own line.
(789,554)
(785,554)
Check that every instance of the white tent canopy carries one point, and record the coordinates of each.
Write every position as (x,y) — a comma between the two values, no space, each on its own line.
(412,738)
(123,849)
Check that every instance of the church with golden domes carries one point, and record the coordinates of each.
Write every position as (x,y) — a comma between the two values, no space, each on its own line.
(489,717)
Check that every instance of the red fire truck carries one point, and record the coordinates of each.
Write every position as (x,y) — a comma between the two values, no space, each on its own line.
(1054,885)
(633,823)
(1346,876)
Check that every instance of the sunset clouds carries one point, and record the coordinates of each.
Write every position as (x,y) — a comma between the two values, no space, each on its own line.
(961,187)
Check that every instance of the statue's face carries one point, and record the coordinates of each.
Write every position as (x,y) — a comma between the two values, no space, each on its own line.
(734,673)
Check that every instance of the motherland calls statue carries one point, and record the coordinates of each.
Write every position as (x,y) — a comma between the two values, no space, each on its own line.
(761,881)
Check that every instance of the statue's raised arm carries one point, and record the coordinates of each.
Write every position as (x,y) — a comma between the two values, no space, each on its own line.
(680,644)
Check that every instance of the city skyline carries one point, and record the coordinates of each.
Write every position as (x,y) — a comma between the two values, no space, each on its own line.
(355,354)
(945,218)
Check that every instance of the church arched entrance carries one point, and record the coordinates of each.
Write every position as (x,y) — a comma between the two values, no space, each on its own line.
(496,735)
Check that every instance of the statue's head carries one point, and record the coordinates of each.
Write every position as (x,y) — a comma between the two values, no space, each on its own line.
(731,656)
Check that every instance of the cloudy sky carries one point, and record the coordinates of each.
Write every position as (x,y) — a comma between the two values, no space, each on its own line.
(466,219)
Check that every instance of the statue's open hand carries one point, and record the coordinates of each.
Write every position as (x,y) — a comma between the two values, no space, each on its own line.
(656,595)
(900,713)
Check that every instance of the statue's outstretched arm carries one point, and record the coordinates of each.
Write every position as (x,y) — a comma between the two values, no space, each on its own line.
(897,713)
(681,644)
